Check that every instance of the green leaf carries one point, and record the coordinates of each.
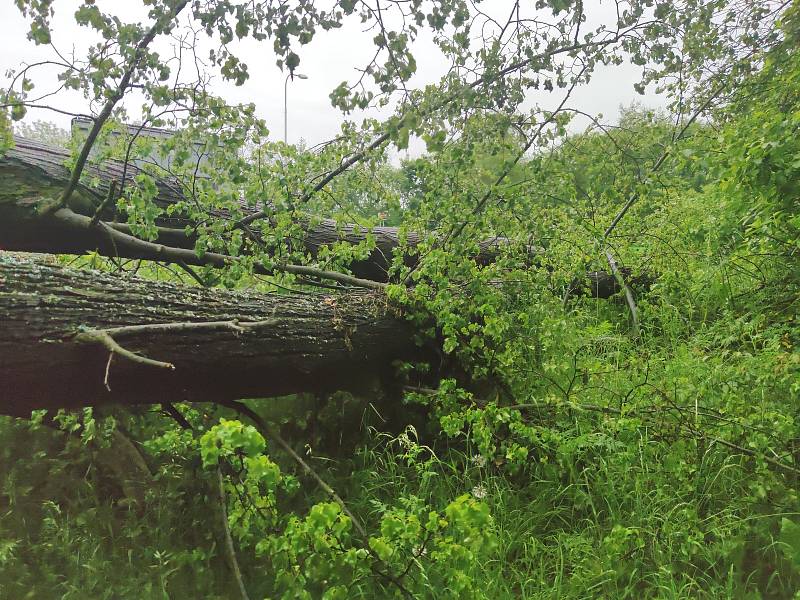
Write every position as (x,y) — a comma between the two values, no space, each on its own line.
(382,549)
(790,541)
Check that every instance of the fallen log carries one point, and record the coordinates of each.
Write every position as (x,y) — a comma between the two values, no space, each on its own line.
(71,338)
(33,175)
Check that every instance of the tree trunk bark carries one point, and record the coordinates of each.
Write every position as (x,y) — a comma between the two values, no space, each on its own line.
(252,345)
(33,176)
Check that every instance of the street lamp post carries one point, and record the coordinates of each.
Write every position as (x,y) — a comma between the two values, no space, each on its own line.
(286,104)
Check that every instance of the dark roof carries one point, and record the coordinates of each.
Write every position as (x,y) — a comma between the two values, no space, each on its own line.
(85,122)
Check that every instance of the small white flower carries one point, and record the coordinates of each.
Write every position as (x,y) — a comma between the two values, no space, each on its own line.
(479,492)
(404,440)
(479,461)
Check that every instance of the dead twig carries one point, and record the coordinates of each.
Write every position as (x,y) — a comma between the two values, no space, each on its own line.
(106,338)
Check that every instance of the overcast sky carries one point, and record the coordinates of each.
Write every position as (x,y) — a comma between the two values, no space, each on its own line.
(329,59)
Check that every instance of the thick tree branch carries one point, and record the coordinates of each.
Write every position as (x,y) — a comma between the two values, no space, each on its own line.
(32,174)
(159,252)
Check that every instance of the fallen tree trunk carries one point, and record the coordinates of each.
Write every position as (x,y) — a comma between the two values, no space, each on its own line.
(189,343)
(33,175)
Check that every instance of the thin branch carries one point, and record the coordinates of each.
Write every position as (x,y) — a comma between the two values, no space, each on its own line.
(635,196)
(112,101)
(230,550)
(236,326)
(108,370)
(229,547)
(110,197)
(657,165)
(529,143)
(384,137)
(104,339)
(193,274)
(694,431)
(274,435)
(628,293)
(171,410)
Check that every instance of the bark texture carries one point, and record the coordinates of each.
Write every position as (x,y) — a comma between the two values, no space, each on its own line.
(33,176)
(302,343)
